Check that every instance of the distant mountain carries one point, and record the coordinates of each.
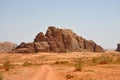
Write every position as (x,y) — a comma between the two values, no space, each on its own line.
(7,46)
(58,40)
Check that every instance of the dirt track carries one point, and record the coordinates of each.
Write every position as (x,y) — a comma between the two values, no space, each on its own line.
(45,72)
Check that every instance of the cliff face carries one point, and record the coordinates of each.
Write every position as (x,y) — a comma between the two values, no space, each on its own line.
(59,40)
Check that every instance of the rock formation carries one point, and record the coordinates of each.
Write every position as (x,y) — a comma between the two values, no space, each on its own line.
(7,46)
(58,40)
(118,47)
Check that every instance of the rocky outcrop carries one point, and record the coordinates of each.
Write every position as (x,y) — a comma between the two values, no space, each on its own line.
(7,46)
(40,37)
(59,40)
(118,47)
(32,47)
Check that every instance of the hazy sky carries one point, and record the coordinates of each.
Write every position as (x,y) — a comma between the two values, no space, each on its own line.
(97,20)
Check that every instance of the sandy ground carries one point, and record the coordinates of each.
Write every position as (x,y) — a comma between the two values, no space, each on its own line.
(44,67)
(46,72)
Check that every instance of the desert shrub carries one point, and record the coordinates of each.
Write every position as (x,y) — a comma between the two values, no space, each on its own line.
(1,77)
(78,64)
(95,60)
(60,62)
(7,65)
(63,62)
(26,64)
(118,59)
(68,76)
(104,59)
(56,62)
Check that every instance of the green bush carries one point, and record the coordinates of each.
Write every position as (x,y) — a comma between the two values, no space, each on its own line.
(7,65)
(26,64)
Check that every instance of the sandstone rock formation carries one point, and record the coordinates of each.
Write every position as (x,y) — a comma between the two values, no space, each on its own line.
(118,47)
(58,40)
(7,46)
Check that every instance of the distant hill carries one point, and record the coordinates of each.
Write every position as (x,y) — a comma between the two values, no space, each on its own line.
(7,46)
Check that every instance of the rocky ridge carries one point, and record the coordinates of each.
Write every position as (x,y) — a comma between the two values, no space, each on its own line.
(58,40)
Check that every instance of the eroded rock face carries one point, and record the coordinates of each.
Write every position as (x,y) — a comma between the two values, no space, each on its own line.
(40,37)
(25,48)
(41,47)
(118,47)
(98,49)
(59,40)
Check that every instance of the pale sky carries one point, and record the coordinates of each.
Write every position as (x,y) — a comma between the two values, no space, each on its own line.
(97,20)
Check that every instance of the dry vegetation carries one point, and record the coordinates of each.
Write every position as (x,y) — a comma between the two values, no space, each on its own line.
(68,66)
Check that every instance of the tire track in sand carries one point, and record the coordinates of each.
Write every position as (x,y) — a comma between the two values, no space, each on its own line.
(45,72)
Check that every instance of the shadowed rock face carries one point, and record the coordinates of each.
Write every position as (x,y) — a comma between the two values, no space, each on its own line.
(118,47)
(58,40)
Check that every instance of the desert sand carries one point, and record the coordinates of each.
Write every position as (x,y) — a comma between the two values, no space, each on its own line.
(58,66)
